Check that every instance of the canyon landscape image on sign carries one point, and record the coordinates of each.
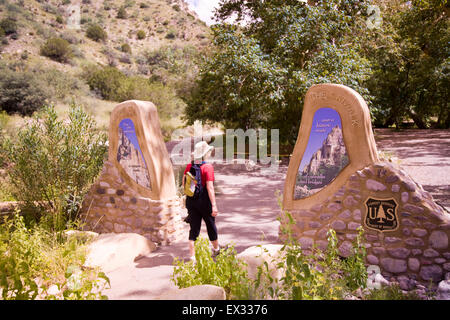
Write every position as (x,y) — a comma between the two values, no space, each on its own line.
(129,154)
(325,155)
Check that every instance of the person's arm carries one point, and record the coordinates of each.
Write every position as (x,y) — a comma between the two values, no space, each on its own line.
(212,197)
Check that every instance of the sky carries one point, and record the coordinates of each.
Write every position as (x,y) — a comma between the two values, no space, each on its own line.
(204,9)
(324,120)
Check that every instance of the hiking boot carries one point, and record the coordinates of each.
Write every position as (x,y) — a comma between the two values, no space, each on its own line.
(215,252)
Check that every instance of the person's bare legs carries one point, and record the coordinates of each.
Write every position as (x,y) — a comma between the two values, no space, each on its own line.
(191,249)
(215,244)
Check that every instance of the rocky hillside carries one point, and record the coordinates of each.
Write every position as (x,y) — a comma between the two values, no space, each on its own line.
(158,40)
(163,22)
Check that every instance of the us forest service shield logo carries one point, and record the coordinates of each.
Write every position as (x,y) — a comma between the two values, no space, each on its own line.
(381,215)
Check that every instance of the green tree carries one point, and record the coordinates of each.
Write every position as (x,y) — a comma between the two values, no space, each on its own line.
(259,72)
(54,162)
(21,92)
(410,58)
(96,33)
(57,49)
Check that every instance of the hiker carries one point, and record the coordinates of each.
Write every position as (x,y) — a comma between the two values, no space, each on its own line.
(201,201)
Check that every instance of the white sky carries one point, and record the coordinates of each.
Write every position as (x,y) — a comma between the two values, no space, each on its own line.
(204,9)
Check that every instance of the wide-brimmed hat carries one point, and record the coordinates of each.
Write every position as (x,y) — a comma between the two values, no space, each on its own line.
(201,149)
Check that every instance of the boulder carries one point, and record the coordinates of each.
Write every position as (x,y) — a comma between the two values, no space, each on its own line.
(256,256)
(200,292)
(110,251)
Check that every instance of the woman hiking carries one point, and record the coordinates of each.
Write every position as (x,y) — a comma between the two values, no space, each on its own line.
(202,204)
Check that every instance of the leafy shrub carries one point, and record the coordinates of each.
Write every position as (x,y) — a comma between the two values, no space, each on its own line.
(2,33)
(122,13)
(96,33)
(33,259)
(171,34)
(59,19)
(20,92)
(54,163)
(141,34)
(106,81)
(113,85)
(143,5)
(227,271)
(57,49)
(125,48)
(391,292)
(8,25)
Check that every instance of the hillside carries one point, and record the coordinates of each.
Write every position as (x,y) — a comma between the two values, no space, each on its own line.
(157,40)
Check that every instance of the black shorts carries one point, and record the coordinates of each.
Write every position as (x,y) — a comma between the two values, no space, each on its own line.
(199,209)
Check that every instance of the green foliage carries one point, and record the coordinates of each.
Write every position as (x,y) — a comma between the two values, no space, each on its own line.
(410,58)
(258,74)
(391,292)
(21,92)
(33,259)
(96,33)
(116,86)
(8,25)
(54,163)
(317,275)
(57,49)
(125,48)
(227,271)
(141,34)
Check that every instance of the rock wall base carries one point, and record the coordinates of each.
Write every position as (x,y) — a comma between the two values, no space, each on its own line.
(417,250)
(112,206)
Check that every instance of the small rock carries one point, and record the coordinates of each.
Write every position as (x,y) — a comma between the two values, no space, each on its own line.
(338,225)
(430,253)
(414,264)
(394,265)
(419,232)
(405,197)
(399,252)
(414,209)
(371,259)
(414,242)
(395,188)
(431,272)
(409,185)
(439,240)
(346,249)
(443,290)
(374,185)
(392,178)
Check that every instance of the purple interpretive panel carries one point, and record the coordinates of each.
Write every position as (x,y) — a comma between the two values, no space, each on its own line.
(325,155)
(129,154)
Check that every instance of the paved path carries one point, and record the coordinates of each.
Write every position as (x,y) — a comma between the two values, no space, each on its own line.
(248,207)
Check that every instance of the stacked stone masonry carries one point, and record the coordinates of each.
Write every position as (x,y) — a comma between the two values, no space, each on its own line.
(418,249)
(112,206)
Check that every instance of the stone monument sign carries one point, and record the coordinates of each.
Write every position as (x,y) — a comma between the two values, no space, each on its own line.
(336,180)
(136,190)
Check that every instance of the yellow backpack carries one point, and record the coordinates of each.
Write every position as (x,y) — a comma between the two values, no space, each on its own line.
(189,185)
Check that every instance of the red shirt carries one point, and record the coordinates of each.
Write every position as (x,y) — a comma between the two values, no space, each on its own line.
(207,171)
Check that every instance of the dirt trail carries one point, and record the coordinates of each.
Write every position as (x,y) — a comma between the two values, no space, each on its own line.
(248,207)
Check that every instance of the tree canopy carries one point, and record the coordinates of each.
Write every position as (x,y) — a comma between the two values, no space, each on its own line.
(263,63)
